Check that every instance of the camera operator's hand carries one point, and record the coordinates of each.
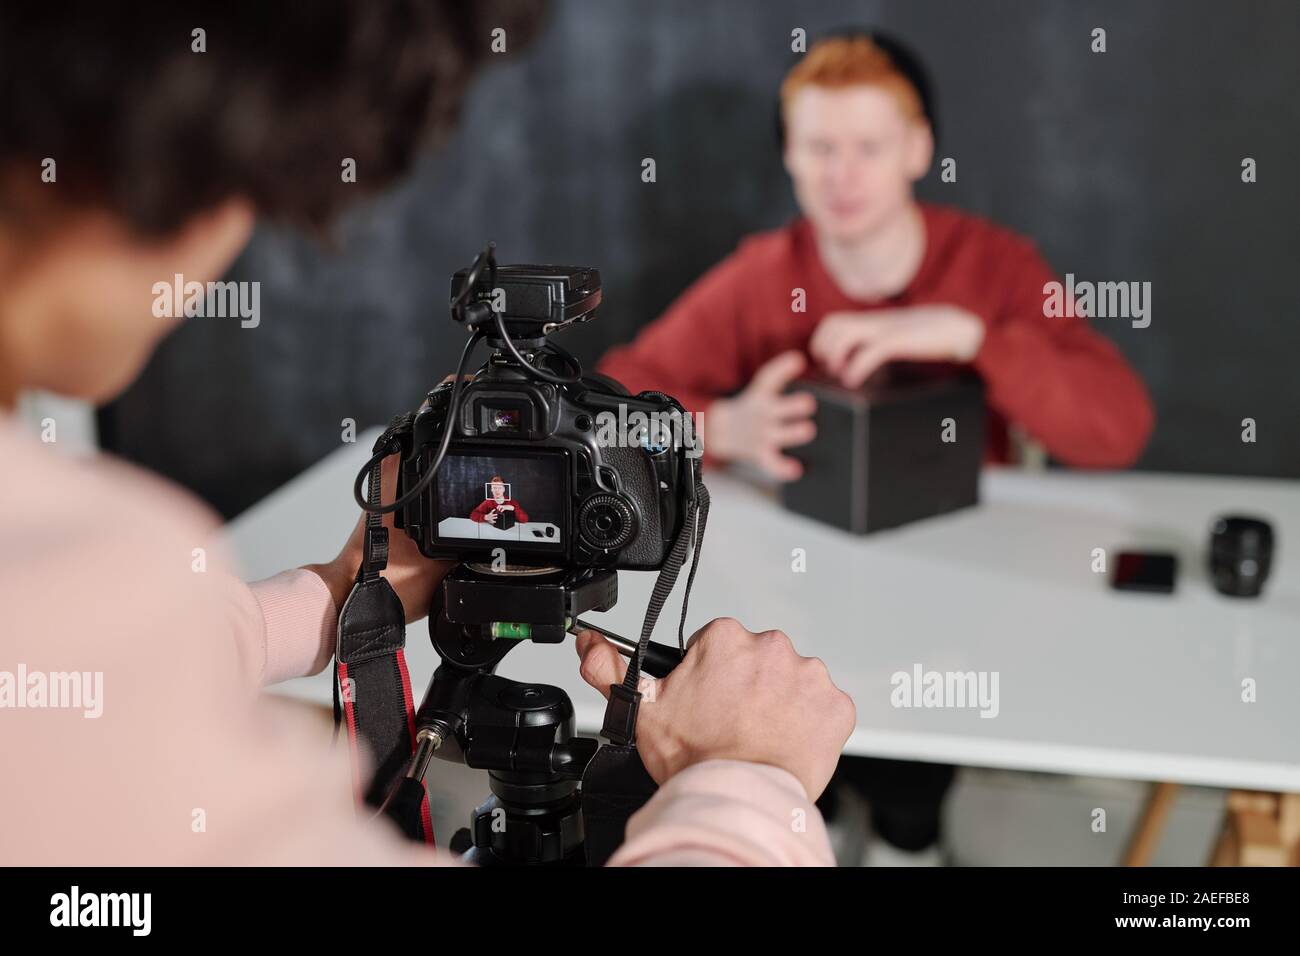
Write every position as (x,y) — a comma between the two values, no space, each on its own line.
(736,696)
(852,345)
(756,425)
(413,576)
(491,517)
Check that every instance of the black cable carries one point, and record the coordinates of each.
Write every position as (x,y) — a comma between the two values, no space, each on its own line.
(447,427)
(541,373)
(486,259)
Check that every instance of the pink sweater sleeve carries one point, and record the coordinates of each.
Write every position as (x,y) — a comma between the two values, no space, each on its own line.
(727,813)
(295,624)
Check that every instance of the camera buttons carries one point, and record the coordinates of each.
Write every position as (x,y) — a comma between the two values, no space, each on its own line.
(606,522)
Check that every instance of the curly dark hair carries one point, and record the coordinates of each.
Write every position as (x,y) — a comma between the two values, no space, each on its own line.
(140,123)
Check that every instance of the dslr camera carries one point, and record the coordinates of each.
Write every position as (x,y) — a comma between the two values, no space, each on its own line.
(541,483)
(544,465)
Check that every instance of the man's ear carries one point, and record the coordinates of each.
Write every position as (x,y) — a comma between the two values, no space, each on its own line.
(209,241)
(920,149)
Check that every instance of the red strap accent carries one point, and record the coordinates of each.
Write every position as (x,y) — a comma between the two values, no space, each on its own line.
(406,695)
(426,818)
(350,714)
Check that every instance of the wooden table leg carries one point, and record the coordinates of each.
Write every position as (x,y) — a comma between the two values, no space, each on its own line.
(1146,837)
(1259,829)
(1227,849)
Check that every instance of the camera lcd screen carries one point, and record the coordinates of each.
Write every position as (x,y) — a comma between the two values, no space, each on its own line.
(509,498)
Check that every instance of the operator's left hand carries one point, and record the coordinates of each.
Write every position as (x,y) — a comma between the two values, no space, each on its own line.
(852,345)
(413,576)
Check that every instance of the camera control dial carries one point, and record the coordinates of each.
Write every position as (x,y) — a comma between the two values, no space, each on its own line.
(606,522)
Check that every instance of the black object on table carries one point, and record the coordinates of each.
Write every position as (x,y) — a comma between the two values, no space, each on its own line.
(1241,555)
(885,456)
(1150,571)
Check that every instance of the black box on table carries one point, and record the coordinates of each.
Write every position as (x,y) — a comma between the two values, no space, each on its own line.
(887,455)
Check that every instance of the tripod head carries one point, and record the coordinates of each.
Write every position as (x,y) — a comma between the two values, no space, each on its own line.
(521,733)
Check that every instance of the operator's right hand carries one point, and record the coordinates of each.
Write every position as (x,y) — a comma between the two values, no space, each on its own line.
(759,423)
(736,695)
(490,517)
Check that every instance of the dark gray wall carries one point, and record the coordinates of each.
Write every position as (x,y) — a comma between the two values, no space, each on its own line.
(1123,166)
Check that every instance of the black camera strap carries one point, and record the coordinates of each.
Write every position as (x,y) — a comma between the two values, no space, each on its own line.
(625,699)
(616,784)
(370,660)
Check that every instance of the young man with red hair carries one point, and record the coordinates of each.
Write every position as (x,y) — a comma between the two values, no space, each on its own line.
(491,509)
(883,279)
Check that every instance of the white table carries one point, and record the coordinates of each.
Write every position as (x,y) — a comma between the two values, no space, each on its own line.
(1090,681)
(468,528)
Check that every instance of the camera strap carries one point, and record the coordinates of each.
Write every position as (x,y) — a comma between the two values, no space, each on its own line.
(625,699)
(371,677)
(616,784)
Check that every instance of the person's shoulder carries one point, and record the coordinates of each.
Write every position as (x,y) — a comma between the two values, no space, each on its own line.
(990,246)
(956,227)
(96,504)
(769,251)
(112,565)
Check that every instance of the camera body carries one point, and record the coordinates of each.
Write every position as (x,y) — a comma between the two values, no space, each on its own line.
(572,473)
(541,483)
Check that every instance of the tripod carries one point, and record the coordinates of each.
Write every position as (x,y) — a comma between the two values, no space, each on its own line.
(521,733)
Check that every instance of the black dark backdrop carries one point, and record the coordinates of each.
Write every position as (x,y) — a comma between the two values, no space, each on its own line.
(1123,166)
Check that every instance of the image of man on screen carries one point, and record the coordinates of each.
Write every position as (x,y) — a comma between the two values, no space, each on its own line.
(491,509)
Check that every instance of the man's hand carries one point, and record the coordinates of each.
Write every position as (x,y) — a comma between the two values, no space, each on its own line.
(506,508)
(756,425)
(852,345)
(491,517)
(413,576)
(735,696)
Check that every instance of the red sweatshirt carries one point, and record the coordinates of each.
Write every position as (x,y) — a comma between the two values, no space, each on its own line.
(1063,383)
(481,512)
